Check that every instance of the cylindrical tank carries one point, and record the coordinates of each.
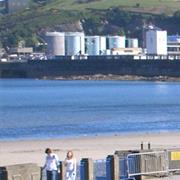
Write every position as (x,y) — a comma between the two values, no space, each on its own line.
(116,42)
(132,43)
(92,45)
(55,43)
(102,43)
(75,43)
(95,45)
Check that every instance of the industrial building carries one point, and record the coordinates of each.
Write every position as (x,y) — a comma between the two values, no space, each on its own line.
(116,42)
(13,6)
(74,43)
(126,51)
(21,50)
(77,44)
(95,45)
(156,42)
(55,43)
(132,43)
(173,45)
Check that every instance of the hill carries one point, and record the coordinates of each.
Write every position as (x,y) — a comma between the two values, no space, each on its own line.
(96,16)
(158,6)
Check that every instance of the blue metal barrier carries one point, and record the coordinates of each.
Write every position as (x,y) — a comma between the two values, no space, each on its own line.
(123,169)
(99,167)
(108,168)
(82,170)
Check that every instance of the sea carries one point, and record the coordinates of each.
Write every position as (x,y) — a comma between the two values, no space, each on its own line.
(45,109)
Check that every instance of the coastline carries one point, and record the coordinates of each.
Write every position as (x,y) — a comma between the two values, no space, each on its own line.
(114,77)
(96,147)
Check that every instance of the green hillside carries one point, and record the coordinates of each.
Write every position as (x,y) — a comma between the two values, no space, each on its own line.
(99,16)
(162,5)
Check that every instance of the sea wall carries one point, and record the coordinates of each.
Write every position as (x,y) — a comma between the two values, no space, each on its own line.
(122,66)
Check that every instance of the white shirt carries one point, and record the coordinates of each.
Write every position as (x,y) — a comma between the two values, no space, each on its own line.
(70,165)
(52,161)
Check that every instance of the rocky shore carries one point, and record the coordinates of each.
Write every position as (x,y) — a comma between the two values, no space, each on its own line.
(115,77)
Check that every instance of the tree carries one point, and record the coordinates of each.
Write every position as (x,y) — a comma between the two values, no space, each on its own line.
(176,17)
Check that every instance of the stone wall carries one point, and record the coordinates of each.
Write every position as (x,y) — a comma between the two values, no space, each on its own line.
(123,66)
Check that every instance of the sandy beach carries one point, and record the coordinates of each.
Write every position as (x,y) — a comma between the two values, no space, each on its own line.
(97,147)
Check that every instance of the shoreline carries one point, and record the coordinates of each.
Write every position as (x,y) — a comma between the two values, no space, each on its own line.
(96,147)
(95,135)
(104,77)
(114,77)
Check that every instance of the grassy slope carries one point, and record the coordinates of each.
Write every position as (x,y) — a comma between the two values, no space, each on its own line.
(55,11)
(168,6)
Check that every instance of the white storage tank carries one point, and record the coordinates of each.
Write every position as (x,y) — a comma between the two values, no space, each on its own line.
(103,46)
(75,43)
(132,42)
(116,42)
(55,43)
(95,45)
(92,45)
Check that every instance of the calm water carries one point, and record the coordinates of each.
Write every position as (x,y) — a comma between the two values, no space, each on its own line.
(45,109)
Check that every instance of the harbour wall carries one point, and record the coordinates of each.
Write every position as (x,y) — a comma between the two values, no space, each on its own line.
(65,68)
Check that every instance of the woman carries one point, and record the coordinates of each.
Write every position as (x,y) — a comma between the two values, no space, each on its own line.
(51,165)
(70,163)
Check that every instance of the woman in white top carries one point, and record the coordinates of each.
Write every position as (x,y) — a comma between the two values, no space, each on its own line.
(70,163)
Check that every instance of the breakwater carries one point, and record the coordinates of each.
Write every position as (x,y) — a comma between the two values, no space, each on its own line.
(65,67)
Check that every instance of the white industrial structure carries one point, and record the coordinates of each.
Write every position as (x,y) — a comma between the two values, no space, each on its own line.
(116,42)
(75,43)
(95,45)
(173,45)
(55,43)
(156,42)
(126,51)
(132,43)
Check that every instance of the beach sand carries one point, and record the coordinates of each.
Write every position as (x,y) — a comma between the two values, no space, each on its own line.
(96,147)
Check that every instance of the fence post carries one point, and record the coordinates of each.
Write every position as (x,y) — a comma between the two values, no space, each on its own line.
(86,169)
(62,170)
(112,167)
(3,173)
(142,146)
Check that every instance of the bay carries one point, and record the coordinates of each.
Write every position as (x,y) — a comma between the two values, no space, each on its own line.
(38,109)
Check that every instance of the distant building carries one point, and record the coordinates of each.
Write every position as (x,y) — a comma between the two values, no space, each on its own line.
(74,43)
(116,42)
(156,42)
(132,43)
(21,51)
(12,6)
(126,51)
(173,45)
(55,43)
(95,45)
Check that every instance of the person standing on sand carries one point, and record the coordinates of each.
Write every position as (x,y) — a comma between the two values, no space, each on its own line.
(51,165)
(70,163)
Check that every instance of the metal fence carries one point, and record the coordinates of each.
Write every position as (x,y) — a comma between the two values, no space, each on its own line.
(148,163)
(99,167)
(155,163)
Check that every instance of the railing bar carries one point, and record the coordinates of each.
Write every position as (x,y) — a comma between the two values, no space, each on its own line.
(146,153)
(147,173)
